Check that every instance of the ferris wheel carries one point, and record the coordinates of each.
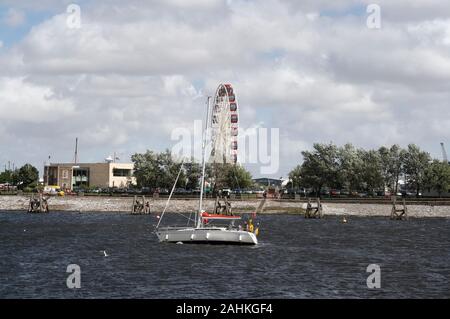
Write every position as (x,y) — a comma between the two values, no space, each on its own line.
(225,126)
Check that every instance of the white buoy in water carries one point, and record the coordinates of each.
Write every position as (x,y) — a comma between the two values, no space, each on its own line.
(104,253)
(344,220)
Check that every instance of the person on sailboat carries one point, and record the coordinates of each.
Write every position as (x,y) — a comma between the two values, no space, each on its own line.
(250,226)
(256,232)
(218,208)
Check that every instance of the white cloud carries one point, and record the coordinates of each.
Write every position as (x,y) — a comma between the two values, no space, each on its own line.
(433,33)
(136,71)
(21,101)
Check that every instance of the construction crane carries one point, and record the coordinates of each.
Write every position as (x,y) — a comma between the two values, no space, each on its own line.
(444,153)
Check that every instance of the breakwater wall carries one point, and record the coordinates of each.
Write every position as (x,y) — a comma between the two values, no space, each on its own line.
(124,204)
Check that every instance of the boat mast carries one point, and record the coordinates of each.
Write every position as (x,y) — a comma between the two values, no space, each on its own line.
(171,193)
(202,185)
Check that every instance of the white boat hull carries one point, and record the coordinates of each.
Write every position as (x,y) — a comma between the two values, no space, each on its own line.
(210,235)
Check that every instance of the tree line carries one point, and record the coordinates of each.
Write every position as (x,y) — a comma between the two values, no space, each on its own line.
(24,177)
(325,166)
(159,170)
(357,169)
(154,170)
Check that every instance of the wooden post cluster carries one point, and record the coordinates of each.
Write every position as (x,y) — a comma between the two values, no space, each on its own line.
(140,207)
(399,211)
(315,211)
(38,205)
(224,208)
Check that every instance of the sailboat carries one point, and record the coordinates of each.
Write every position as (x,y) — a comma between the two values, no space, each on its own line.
(203,231)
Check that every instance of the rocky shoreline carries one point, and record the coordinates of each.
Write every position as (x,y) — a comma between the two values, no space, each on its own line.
(123,204)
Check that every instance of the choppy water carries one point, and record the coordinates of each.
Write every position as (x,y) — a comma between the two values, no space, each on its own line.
(296,258)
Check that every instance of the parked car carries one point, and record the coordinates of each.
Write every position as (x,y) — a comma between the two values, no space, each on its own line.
(226,192)
(372,193)
(53,190)
(117,190)
(335,192)
(294,191)
(383,193)
(362,194)
(134,191)
(164,191)
(345,192)
(411,194)
(182,191)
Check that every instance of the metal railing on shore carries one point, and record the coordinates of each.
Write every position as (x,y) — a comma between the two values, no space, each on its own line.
(431,201)
(382,200)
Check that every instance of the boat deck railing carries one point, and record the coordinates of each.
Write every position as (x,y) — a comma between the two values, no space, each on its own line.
(184,227)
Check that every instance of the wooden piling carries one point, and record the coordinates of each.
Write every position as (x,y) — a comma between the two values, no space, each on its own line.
(38,205)
(224,208)
(140,207)
(133,206)
(227,206)
(217,205)
(399,213)
(146,205)
(315,211)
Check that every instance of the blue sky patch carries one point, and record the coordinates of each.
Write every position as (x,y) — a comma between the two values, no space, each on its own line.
(358,10)
(11,35)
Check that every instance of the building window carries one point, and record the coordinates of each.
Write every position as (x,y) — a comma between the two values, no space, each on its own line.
(80,177)
(52,175)
(121,172)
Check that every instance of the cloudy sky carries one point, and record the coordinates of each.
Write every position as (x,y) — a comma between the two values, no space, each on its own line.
(136,70)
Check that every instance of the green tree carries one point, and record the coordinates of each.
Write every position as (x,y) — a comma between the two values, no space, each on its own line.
(169,169)
(416,162)
(321,167)
(6,177)
(157,170)
(225,175)
(437,177)
(295,177)
(237,177)
(371,173)
(146,169)
(391,165)
(27,176)
(193,172)
(350,167)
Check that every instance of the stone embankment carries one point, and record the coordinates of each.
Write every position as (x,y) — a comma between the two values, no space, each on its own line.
(123,204)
